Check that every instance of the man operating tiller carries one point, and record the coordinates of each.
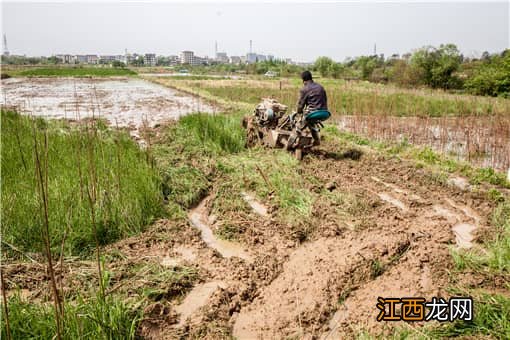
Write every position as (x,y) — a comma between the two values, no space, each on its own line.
(313,102)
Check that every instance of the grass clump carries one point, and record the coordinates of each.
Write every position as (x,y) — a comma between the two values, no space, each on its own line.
(496,259)
(215,134)
(79,161)
(76,72)
(165,283)
(270,173)
(94,318)
(491,318)
(187,156)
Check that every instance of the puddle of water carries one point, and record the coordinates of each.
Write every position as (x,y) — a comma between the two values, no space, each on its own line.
(446,213)
(196,299)
(462,230)
(459,182)
(199,218)
(396,188)
(392,200)
(465,209)
(463,234)
(258,207)
(186,253)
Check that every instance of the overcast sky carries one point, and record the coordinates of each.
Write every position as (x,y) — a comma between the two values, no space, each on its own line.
(301,31)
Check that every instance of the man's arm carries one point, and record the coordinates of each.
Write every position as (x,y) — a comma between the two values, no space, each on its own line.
(302,101)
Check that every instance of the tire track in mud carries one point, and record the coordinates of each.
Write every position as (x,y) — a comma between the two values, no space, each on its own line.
(432,220)
(229,276)
(286,290)
(302,296)
(301,300)
(418,273)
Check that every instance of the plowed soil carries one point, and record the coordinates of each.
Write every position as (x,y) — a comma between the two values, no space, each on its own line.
(271,286)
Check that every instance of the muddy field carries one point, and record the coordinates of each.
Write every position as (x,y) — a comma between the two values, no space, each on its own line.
(379,226)
(269,285)
(123,102)
(482,141)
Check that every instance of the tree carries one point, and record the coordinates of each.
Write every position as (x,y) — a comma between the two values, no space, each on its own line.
(138,61)
(323,65)
(491,77)
(335,70)
(366,64)
(437,66)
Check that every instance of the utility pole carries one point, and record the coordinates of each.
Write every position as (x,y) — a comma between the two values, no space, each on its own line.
(5,50)
(251,47)
(375,49)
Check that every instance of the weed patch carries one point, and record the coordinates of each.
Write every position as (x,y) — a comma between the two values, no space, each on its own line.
(127,188)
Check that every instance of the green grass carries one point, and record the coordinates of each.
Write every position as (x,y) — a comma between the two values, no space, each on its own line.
(215,134)
(491,318)
(187,155)
(128,189)
(496,259)
(243,173)
(84,318)
(201,149)
(74,72)
(350,98)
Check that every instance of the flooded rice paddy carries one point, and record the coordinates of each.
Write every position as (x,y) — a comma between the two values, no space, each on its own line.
(123,102)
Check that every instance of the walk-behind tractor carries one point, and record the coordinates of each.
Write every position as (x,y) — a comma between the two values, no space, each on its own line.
(271,126)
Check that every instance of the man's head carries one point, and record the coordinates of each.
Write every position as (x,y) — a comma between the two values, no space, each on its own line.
(306,76)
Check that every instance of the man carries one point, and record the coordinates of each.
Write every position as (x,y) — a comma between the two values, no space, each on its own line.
(313,101)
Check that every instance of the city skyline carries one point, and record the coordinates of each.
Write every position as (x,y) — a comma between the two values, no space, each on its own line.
(287,30)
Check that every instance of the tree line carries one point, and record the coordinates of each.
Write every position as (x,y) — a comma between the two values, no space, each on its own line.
(442,67)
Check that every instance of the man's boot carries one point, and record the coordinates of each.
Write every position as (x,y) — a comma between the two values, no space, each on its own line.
(315,135)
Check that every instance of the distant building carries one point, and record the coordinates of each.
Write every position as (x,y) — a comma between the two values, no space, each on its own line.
(92,59)
(251,58)
(174,59)
(261,57)
(65,58)
(149,59)
(199,61)
(221,57)
(235,60)
(106,59)
(81,59)
(187,57)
